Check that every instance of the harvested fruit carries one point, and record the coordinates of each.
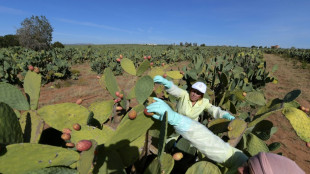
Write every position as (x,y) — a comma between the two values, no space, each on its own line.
(66,136)
(83,145)
(177,156)
(77,126)
(132,114)
(148,113)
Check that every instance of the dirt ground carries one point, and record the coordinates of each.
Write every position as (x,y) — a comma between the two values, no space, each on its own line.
(289,75)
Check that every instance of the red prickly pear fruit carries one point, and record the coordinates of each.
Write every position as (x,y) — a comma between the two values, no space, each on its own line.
(66,131)
(30,67)
(149,57)
(165,75)
(79,101)
(307,110)
(98,77)
(120,56)
(163,64)
(70,145)
(83,145)
(77,126)
(36,70)
(121,96)
(151,63)
(177,156)
(144,57)
(118,108)
(132,114)
(117,94)
(148,113)
(66,136)
(118,60)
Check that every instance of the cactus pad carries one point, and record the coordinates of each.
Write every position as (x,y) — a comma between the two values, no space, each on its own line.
(12,96)
(165,166)
(35,156)
(203,167)
(102,110)
(256,98)
(143,67)
(144,88)
(32,126)
(60,116)
(174,74)
(128,66)
(299,121)
(32,85)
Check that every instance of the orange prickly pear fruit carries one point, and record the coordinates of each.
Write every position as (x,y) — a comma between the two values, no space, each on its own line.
(132,114)
(77,126)
(70,145)
(148,113)
(83,145)
(66,131)
(177,156)
(79,101)
(66,136)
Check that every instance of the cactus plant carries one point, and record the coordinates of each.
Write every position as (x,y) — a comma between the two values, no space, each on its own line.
(32,84)
(32,126)
(144,88)
(203,167)
(12,96)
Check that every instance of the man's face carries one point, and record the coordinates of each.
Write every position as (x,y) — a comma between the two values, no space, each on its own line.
(195,95)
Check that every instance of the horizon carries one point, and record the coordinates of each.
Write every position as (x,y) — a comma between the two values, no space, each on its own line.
(213,23)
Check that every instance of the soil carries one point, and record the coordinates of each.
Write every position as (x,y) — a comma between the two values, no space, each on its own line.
(290,76)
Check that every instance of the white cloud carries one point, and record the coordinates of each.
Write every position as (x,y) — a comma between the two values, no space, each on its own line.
(13,11)
(90,24)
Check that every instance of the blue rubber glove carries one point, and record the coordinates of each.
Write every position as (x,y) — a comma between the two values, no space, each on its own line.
(160,107)
(163,81)
(228,116)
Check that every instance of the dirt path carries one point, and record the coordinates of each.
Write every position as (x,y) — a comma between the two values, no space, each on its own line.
(290,77)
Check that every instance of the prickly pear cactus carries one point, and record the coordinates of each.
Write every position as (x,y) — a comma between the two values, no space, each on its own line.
(32,85)
(203,167)
(299,121)
(102,110)
(32,126)
(128,66)
(156,71)
(291,96)
(164,166)
(162,135)
(10,130)
(274,146)
(64,115)
(12,96)
(110,82)
(89,132)
(54,170)
(256,98)
(236,129)
(174,74)
(218,125)
(145,65)
(144,88)
(85,164)
(35,156)
(255,145)
(131,129)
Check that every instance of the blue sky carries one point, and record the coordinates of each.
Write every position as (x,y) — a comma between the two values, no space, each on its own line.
(212,22)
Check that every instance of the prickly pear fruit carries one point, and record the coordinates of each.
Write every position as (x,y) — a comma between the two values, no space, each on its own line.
(244,94)
(144,57)
(66,131)
(120,56)
(121,96)
(70,144)
(148,113)
(151,63)
(308,144)
(30,67)
(177,156)
(132,114)
(165,75)
(163,64)
(79,101)
(118,108)
(149,57)
(307,110)
(117,94)
(229,128)
(36,70)
(66,136)
(77,126)
(118,60)
(83,145)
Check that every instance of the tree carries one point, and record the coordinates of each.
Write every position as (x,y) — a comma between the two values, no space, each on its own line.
(58,45)
(9,41)
(35,33)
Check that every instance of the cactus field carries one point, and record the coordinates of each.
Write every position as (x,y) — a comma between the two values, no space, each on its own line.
(82,109)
